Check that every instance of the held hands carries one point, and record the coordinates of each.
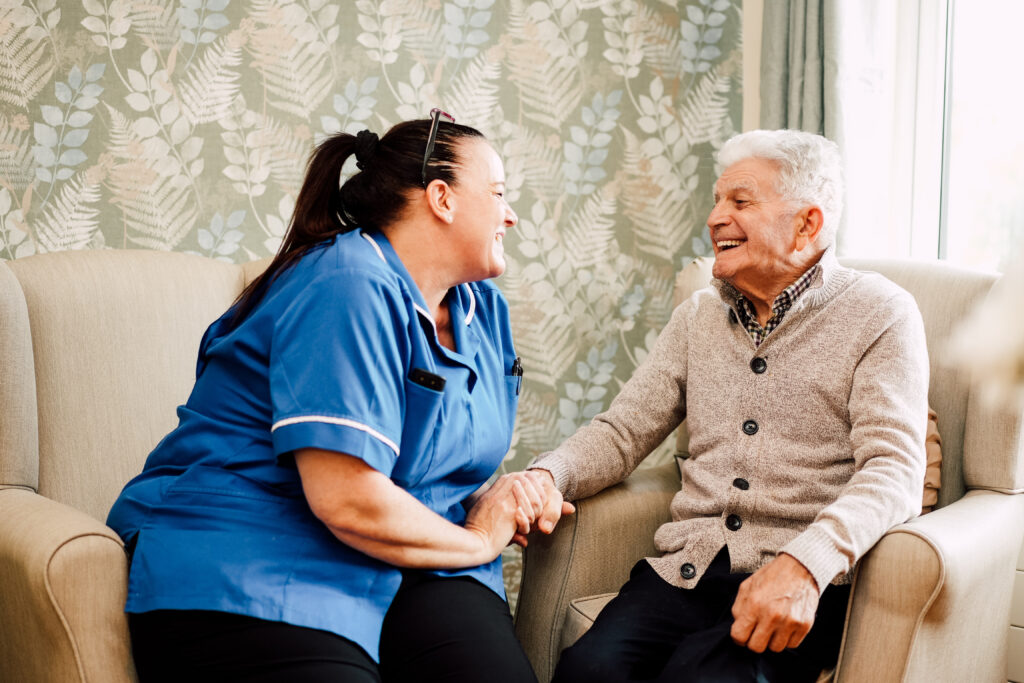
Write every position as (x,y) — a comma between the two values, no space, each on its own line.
(775,606)
(513,506)
(548,505)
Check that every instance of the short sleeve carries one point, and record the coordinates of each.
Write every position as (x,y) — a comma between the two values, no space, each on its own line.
(336,368)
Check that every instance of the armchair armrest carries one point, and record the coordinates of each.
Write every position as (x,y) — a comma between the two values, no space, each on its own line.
(929,600)
(63,582)
(589,552)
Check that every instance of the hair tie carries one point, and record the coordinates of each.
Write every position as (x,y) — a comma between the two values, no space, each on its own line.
(366,148)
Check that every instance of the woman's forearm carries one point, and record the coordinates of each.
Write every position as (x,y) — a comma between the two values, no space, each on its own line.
(365,510)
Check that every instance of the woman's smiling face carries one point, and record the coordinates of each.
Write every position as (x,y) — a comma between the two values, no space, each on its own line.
(481,215)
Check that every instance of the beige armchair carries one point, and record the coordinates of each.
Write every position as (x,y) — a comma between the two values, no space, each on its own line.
(98,349)
(931,601)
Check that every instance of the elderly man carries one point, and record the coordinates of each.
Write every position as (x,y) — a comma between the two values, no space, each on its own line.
(804,385)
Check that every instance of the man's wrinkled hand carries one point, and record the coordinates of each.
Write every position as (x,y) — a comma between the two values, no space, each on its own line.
(547,500)
(775,606)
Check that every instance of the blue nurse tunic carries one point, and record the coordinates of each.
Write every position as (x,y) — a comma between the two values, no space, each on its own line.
(217,519)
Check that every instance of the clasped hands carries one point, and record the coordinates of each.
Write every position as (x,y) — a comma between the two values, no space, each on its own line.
(517,504)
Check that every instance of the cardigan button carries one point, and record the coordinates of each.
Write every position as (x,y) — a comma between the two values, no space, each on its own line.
(741,483)
(759,365)
(733,522)
(688,571)
(750,427)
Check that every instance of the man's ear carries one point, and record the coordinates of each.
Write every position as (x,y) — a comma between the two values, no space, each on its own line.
(809,221)
(441,200)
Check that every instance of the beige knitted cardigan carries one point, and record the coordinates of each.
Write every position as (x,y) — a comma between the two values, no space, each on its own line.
(838,454)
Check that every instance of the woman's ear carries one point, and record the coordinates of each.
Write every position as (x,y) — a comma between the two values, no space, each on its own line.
(809,223)
(441,200)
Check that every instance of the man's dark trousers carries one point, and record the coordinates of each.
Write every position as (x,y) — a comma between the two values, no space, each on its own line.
(654,631)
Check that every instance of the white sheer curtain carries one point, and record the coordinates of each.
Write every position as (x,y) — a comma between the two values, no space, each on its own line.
(869,75)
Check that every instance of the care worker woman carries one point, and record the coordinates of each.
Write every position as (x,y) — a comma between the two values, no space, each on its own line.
(307,519)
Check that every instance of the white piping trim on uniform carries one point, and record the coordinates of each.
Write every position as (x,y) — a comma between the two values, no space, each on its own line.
(337,421)
(472,304)
(375,246)
(430,318)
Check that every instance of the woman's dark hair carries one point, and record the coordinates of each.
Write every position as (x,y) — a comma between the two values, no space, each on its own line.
(371,199)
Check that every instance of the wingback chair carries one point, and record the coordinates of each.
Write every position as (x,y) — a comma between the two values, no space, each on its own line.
(98,349)
(930,602)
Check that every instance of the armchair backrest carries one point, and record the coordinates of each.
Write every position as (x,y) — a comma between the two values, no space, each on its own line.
(99,347)
(981,444)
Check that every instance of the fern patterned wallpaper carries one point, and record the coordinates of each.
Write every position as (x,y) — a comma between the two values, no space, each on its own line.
(185,125)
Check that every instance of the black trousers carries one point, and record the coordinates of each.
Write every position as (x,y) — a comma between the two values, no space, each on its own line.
(437,629)
(654,631)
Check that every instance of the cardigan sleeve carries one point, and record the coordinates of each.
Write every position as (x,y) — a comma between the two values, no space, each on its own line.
(888,412)
(650,405)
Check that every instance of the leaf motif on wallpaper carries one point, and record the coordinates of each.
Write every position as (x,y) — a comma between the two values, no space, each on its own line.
(69,221)
(659,42)
(200,20)
(591,229)
(538,155)
(64,129)
(542,292)
(151,192)
(655,199)
(245,149)
(381,26)
(290,56)
(658,284)
(286,153)
(536,421)
(108,24)
(543,70)
(419,25)
(156,22)
(586,150)
(218,243)
(211,84)
(463,27)
(26,62)
(706,108)
(417,97)
(354,104)
(624,37)
(17,163)
(701,31)
(473,96)
(14,242)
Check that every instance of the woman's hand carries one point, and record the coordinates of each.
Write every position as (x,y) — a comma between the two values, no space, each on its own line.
(506,510)
(545,505)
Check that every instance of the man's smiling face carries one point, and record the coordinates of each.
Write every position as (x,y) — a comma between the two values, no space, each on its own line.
(753,228)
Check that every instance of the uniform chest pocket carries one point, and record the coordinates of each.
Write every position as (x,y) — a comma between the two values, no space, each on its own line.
(424,411)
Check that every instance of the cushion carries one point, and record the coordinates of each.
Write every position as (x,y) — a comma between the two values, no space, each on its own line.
(933,468)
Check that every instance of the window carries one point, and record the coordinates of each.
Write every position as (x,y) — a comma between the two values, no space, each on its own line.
(982,222)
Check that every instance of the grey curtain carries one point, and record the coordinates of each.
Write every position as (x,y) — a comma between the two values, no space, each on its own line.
(798,65)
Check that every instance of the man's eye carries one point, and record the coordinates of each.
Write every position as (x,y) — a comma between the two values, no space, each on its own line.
(499,194)
(740,202)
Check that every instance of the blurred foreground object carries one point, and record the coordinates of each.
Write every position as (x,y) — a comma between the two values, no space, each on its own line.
(990,341)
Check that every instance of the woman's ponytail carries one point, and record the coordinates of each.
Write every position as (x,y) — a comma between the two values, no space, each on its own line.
(373,198)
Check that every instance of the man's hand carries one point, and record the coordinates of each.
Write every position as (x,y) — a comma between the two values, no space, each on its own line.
(548,503)
(775,606)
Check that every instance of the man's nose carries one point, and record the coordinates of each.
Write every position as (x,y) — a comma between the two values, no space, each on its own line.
(718,215)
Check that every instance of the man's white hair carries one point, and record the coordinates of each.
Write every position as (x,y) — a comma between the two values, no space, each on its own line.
(810,169)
